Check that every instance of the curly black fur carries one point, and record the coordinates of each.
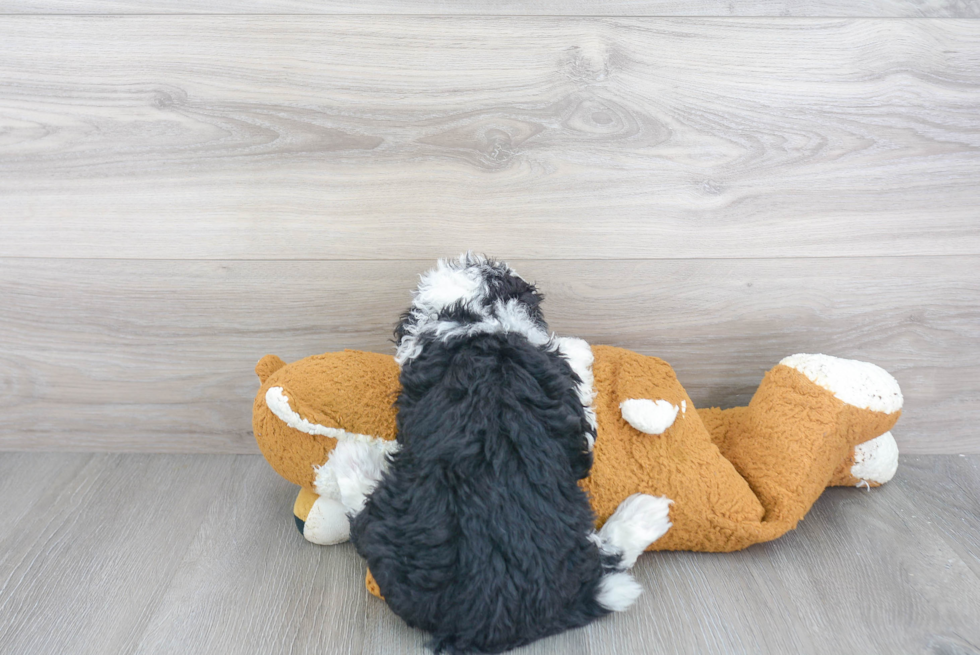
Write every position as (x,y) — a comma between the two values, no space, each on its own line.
(478,533)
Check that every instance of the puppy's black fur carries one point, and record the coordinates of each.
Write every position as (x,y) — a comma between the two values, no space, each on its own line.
(479,532)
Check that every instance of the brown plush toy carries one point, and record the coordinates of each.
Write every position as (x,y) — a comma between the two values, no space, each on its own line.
(735,477)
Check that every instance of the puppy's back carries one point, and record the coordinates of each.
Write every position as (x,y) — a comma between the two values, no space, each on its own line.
(478,533)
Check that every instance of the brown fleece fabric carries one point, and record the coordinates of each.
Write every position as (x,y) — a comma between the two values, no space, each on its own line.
(682,463)
(351,390)
(372,585)
(736,477)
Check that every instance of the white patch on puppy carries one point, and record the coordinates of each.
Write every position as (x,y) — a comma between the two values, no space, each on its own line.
(876,460)
(447,284)
(617,591)
(462,282)
(651,417)
(861,384)
(639,521)
(578,354)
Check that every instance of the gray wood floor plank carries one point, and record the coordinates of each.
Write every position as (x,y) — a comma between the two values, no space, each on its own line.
(946,494)
(198,554)
(83,572)
(366,137)
(250,583)
(855,577)
(839,8)
(91,346)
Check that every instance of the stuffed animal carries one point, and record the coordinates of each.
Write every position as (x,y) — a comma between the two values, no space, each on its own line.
(735,477)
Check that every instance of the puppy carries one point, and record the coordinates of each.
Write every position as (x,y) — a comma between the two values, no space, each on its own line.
(474,525)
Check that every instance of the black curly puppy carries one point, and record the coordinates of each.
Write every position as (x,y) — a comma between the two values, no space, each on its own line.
(477,530)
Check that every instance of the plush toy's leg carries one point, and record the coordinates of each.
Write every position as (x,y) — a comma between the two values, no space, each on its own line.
(372,585)
(304,503)
(806,418)
(320,519)
(639,521)
(869,464)
(651,441)
(341,486)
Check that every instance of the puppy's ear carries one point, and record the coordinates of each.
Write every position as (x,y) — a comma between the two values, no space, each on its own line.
(267,366)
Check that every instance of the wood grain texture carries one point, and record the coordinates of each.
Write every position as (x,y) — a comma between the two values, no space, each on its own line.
(398,137)
(829,8)
(198,554)
(947,493)
(95,546)
(159,355)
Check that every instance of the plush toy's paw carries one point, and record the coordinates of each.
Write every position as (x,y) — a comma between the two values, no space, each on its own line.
(875,461)
(860,384)
(649,416)
(327,523)
(639,521)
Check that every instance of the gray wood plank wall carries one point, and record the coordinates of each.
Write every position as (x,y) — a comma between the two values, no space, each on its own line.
(840,8)
(181,194)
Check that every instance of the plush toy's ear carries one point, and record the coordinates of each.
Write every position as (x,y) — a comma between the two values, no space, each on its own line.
(267,366)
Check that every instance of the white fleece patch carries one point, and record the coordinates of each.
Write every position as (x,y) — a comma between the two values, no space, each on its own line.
(277,401)
(327,523)
(876,460)
(639,521)
(861,384)
(461,281)
(617,591)
(579,355)
(352,471)
(651,417)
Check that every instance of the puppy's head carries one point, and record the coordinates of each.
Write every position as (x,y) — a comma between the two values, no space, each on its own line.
(467,296)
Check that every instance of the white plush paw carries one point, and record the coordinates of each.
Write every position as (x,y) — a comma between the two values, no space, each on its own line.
(861,384)
(639,521)
(876,460)
(649,416)
(327,523)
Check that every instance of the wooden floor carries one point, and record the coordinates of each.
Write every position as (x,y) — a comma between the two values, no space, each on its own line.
(182,554)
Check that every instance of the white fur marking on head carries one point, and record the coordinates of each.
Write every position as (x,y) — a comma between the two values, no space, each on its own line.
(617,591)
(639,521)
(461,281)
(861,384)
(651,417)
(327,523)
(278,403)
(353,471)
(876,460)
(445,285)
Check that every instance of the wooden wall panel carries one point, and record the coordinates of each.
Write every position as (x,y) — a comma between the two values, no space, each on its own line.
(158,355)
(849,8)
(278,137)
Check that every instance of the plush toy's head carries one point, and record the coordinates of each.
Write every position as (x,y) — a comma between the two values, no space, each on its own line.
(303,408)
